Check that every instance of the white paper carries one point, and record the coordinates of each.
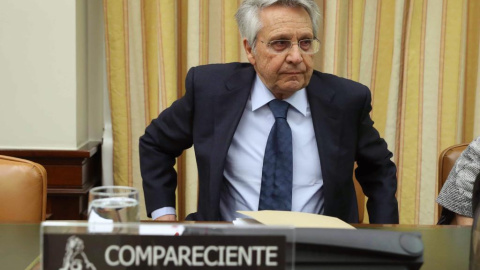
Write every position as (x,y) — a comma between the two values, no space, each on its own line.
(297,219)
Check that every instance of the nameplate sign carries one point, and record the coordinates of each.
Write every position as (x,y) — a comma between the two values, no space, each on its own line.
(109,251)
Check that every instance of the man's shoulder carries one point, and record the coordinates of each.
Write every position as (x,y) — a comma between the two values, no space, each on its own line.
(220,74)
(335,81)
(345,90)
(223,67)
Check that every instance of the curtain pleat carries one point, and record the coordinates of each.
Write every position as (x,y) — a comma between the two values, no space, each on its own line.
(419,58)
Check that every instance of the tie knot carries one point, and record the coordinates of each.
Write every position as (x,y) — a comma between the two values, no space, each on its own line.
(279,108)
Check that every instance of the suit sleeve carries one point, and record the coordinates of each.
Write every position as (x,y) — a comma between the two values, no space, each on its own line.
(376,173)
(164,140)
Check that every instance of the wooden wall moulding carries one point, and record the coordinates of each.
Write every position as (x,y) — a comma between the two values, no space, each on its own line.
(70,176)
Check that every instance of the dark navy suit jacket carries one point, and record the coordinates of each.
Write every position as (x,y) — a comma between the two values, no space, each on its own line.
(207,117)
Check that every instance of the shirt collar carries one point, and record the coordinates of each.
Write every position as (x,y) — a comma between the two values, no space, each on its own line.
(261,96)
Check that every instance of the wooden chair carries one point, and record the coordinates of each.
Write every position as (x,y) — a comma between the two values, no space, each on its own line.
(360,200)
(360,197)
(445,164)
(23,190)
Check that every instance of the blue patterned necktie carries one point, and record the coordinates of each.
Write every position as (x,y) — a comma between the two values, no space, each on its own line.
(277,172)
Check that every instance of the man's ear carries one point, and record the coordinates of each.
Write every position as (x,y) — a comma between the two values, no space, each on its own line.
(249,52)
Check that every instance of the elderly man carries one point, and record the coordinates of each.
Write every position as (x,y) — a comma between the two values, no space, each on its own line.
(272,134)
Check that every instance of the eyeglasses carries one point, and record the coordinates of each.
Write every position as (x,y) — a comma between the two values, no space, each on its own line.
(307,46)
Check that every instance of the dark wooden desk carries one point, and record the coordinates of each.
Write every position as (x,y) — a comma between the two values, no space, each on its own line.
(446,247)
(70,176)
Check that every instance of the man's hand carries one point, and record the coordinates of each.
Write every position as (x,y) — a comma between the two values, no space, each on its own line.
(167,218)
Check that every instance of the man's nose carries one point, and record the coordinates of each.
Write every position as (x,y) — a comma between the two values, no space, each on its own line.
(294,55)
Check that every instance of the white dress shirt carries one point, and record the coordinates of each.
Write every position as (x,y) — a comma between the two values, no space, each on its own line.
(244,162)
(243,167)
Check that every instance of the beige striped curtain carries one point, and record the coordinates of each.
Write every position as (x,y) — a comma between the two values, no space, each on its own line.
(420,59)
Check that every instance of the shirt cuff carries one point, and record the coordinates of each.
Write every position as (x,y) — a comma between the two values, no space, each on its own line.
(163,211)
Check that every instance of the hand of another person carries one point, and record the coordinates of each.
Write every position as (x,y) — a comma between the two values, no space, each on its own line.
(167,218)
(462,220)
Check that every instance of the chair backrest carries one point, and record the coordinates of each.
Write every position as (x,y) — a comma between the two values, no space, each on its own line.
(360,200)
(447,159)
(23,190)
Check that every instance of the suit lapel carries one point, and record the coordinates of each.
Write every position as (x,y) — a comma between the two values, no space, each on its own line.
(326,124)
(229,107)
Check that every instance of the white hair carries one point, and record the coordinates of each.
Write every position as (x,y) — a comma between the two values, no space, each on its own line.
(248,15)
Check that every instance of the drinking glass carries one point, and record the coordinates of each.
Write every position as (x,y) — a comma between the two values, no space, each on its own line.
(113,204)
